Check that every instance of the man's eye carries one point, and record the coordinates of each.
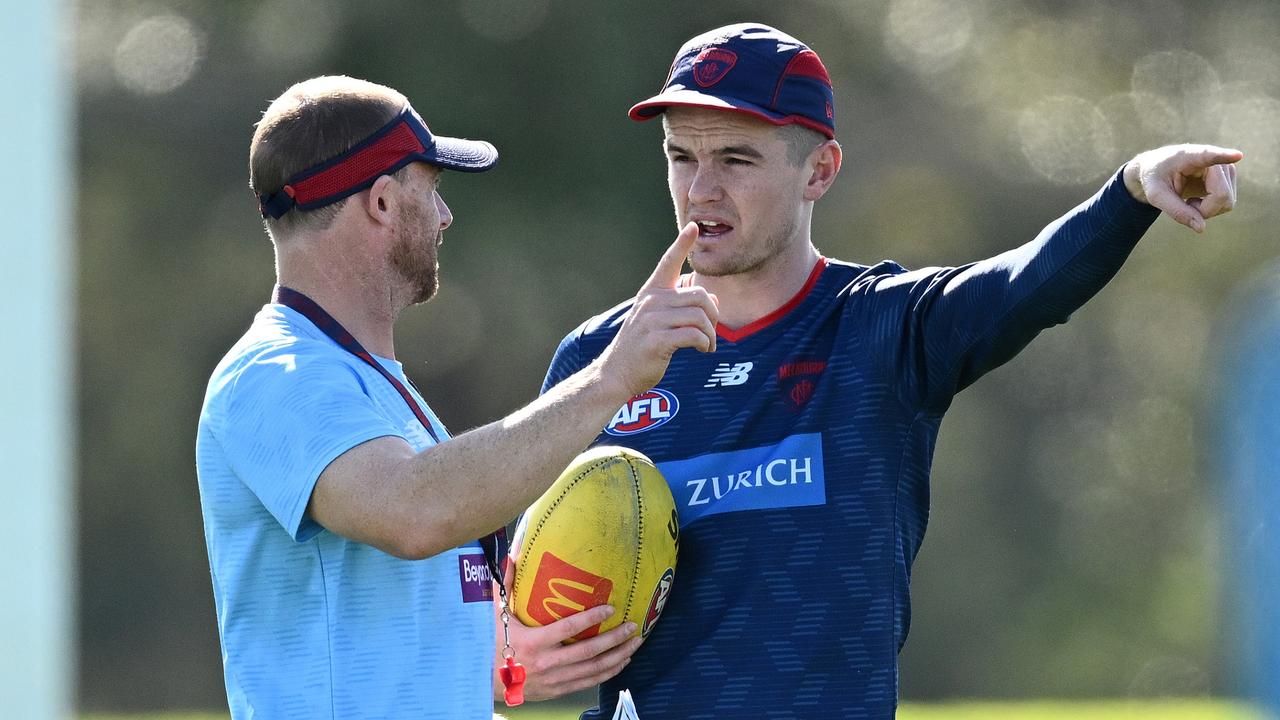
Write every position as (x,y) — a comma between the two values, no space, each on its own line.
(737,161)
(679,158)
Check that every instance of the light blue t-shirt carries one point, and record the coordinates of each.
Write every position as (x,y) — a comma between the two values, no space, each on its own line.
(314,625)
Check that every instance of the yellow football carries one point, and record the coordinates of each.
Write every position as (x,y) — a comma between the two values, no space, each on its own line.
(605,532)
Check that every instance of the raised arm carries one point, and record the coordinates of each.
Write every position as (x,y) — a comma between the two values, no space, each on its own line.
(414,505)
(959,323)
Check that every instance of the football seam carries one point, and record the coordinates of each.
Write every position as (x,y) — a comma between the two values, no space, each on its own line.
(533,536)
(635,561)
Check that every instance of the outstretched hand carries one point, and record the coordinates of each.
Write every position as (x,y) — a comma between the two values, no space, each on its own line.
(1191,183)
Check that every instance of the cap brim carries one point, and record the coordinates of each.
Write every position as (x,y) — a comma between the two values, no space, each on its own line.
(465,155)
(654,106)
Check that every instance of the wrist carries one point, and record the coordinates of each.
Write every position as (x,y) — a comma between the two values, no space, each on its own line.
(613,381)
(1133,181)
(600,391)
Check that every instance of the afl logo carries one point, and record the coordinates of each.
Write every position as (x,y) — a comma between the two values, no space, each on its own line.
(658,601)
(712,64)
(645,411)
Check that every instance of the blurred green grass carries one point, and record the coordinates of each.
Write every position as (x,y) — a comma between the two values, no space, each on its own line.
(1091,710)
(1039,710)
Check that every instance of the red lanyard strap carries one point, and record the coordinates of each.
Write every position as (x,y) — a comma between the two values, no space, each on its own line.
(494,544)
(330,326)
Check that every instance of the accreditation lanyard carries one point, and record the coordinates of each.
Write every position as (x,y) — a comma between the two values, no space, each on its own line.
(495,543)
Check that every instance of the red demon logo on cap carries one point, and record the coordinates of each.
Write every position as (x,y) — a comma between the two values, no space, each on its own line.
(712,64)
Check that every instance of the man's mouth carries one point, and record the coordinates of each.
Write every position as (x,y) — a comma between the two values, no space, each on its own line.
(712,228)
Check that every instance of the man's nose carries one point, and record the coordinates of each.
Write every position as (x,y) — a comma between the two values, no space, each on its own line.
(446,217)
(705,186)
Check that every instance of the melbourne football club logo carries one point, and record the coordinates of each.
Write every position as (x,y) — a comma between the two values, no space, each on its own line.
(798,380)
(561,589)
(712,64)
(645,411)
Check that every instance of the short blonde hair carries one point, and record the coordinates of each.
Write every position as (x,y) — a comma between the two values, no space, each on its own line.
(309,123)
(800,141)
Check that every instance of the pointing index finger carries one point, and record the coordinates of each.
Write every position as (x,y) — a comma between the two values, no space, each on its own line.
(667,273)
(1210,155)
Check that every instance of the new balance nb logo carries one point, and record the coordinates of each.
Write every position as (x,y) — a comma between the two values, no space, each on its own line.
(726,374)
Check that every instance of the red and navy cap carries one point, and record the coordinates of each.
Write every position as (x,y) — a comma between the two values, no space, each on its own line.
(752,69)
(403,140)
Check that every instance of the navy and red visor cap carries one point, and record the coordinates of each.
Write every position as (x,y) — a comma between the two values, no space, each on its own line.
(403,140)
(752,69)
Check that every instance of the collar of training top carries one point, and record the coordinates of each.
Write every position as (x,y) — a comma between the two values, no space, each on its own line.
(403,140)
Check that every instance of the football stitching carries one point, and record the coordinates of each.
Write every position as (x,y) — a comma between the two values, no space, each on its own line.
(635,564)
(533,536)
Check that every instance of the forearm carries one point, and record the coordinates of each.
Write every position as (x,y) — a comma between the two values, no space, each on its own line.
(1041,283)
(416,504)
(1070,260)
(469,485)
(979,316)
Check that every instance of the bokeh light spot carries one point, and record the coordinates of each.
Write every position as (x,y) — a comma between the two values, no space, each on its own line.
(1138,121)
(1066,139)
(1253,125)
(928,35)
(157,55)
(1184,81)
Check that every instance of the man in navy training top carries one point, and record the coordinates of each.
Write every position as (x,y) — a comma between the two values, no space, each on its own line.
(341,519)
(799,452)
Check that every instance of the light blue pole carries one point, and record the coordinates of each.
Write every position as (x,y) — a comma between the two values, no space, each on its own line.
(37,431)
(1246,460)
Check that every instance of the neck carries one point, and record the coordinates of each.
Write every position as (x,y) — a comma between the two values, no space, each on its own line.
(747,297)
(363,302)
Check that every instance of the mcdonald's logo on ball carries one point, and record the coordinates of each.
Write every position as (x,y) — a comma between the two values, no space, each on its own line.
(605,533)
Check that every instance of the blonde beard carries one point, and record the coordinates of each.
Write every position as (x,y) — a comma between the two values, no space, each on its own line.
(414,258)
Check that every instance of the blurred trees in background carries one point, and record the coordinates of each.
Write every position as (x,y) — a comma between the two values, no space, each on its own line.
(1075,541)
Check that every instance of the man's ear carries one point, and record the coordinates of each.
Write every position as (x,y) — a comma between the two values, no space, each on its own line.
(379,200)
(824,166)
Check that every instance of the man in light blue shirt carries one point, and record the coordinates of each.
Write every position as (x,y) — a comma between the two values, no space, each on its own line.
(341,519)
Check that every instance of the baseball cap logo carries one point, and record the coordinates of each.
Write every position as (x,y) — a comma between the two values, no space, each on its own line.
(712,64)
